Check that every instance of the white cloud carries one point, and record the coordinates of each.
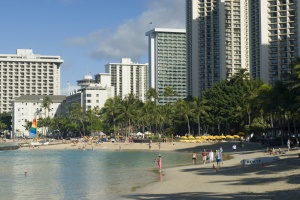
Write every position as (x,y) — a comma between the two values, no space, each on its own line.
(129,38)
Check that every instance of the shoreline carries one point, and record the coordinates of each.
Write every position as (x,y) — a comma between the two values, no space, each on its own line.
(277,180)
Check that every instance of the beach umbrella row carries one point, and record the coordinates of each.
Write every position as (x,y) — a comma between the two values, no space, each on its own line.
(203,138)
(210,137)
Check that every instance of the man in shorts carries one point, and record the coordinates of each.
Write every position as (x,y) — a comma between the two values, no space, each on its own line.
(204,156)
(219,158)
(194,157)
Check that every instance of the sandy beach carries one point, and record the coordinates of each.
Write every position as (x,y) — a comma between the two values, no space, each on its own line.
(233,180)
(278,180)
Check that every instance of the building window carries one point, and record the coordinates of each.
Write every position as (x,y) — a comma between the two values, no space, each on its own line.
(89,101)
(88,95)
(97,95)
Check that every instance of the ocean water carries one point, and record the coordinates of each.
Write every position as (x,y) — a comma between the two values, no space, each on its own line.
(76,174)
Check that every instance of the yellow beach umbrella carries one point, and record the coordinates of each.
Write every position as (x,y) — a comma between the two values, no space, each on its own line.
(204,137)
(191,137)
(219,137)
(211,137)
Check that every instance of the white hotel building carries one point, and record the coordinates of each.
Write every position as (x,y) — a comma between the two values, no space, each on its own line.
(90,94)
(126,77)
(167,63)
(28,106)
(223,36)
(217,41)
(275,38)
(25,73)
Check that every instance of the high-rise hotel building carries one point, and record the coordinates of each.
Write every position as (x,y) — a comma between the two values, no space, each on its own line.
(126,77)
(223,36)
(217,42)
(25,73)
(275,38)
(167,63)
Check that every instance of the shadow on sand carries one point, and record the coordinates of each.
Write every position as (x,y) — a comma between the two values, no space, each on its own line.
(290,162)
(277,195)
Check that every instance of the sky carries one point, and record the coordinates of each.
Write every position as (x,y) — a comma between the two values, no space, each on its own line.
(86,34)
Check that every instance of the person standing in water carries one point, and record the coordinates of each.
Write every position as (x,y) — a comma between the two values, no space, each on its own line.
(159,162)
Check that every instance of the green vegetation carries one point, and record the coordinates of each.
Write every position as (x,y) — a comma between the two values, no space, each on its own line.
(239,105)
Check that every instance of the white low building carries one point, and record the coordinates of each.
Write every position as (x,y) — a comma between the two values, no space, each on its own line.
(28,106)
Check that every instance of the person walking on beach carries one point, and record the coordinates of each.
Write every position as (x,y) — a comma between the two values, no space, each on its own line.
(288,144)
(219,158)
(204,156)
(194,157)
(221,152)
(234,147)
(211,156)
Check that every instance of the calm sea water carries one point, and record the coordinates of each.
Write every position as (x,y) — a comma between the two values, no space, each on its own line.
(77,174)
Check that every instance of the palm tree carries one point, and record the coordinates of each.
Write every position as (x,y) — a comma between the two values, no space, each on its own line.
(184,109)
(150,114)
(199,109)
(78,115)
(169,92)
(2,125)
(111,111)
(128,111)
(46,105)
(152,95)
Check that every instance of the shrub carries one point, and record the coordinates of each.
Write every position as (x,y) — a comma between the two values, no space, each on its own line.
(241,133)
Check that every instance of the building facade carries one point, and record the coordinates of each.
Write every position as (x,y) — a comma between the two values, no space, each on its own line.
(167,63)
(26,107)
(90,95)
(25,73)
(127,77)
(226,35)
(275,38)
(217,42)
